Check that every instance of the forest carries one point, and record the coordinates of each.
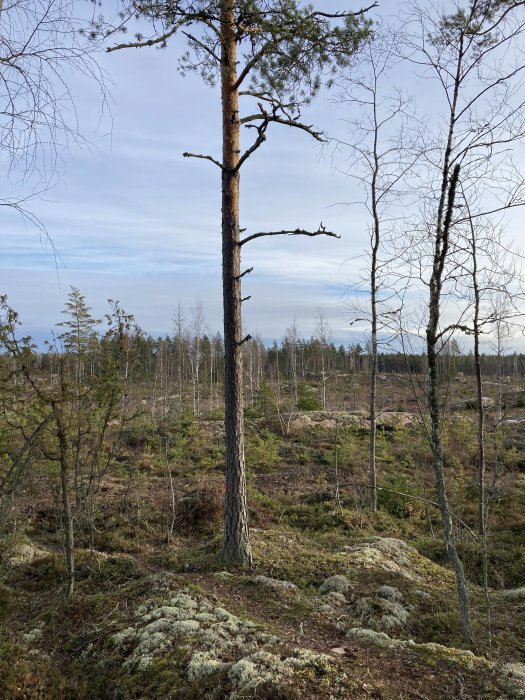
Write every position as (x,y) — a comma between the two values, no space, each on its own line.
(316,513)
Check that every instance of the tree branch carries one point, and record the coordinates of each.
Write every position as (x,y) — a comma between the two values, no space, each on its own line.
(318,135)
(261,138)
(321,231)
(147,42)
(246,272)
(203,157)
(339,15)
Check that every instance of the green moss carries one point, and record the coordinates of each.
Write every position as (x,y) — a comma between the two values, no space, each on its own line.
(6,600)
(318,517)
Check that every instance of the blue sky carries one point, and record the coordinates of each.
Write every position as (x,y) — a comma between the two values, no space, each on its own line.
(133,220)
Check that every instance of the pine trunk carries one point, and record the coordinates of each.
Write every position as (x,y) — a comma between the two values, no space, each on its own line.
(236,534)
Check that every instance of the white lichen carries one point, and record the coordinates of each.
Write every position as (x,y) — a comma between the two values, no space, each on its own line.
(513,678)
(335,584)
(389,593)
(380,613)
(216,641)
(34,635)
(514,593)
(274,583)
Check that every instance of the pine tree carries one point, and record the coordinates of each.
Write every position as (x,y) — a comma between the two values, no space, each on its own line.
(80,337)
(270,55)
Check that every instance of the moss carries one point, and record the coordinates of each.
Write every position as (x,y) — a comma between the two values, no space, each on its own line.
(287,554)
(431,652)
(6,601)
(316,517)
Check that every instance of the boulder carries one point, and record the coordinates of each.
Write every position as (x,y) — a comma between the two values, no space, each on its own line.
(27,553)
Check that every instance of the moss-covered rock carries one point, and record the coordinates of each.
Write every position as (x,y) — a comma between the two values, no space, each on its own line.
(205,641)
(336,584)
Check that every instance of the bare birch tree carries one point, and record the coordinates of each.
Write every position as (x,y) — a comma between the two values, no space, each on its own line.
(472,54)
(383,152)
(41,47)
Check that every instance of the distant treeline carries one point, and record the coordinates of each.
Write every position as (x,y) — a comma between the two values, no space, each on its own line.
(190,357)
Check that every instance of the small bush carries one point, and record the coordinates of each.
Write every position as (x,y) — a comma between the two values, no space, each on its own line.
(307,400)
(262,450)
(201,508)
(396,504)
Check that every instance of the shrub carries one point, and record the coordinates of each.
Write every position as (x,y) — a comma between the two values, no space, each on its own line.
(201,507)
(262,450)
(307,400)
(396,504)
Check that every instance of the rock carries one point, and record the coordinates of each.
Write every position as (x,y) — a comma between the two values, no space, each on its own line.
(274,583)
(514,593)
(335,584)
(486,402)
(395,419)
(381,614)
(387,554)
(340,651)
(27,553)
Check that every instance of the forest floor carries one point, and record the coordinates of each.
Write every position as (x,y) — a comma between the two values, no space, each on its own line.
(340,602)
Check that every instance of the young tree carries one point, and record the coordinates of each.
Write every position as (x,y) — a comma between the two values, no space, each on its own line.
(197,327)
(272,55)
(473,55)
(80,336)
(71,419)
(383,152)
(291,343)
(322,335)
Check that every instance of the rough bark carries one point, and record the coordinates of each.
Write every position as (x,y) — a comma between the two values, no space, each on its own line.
(236,535)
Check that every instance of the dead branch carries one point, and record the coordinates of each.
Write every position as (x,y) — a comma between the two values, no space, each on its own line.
(203,157)
(321,231)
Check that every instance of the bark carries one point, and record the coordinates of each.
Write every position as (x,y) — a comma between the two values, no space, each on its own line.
(236,535)
(481,409)
(436,281)
(67,515)
(373,303)
(482,518)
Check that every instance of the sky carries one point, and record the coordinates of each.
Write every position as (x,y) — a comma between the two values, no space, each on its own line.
(131,219)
